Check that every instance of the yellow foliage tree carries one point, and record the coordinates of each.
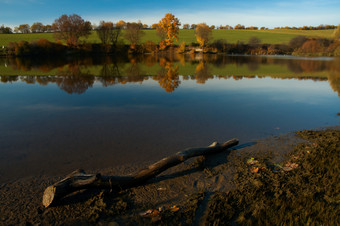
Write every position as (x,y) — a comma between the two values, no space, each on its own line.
(168,28)
(203,34)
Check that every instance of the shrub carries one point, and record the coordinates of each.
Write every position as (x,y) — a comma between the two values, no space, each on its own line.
(311,47)
(220,45)
(254,41)
(297,42)
(182,47)
(150,47)
(40,47)
(337,51)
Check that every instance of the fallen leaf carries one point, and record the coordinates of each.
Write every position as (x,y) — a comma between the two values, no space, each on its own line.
(254,170)
(161,189)
(292,165)
(156,219)
(252,161)
(150,213)
(161,208)
(174,208)
(287,169)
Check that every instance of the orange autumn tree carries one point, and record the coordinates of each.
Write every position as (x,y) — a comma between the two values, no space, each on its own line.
(203,34)
(168,29)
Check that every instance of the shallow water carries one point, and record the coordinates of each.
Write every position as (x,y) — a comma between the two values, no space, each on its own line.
(60,115)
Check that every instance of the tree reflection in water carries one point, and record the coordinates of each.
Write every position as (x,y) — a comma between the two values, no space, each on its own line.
(74,80)
(77,75)
(168,76)
(334,76)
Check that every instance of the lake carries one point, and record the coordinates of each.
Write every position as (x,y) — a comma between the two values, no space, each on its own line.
(57,115)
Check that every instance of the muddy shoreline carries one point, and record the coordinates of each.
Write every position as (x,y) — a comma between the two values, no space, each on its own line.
(181,194)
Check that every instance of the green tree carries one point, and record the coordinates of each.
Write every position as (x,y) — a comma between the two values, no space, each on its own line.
(70,28)
(5,30)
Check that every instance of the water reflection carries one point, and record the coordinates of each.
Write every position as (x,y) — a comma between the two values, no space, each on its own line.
(78,75)
(168,76)
(39,127)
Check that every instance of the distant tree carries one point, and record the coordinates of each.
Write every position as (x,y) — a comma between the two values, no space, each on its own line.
(145,26)
(263,28)
(154,26)
(252,28)
(71,28)
(133,33)
(5,30)
(169,27)
(239,26)
(24,28)
(48,28)
(140,24)
(212,27)
(37,27)
(193,26)
(121,24)
(336,33)
(203,34)
(186,26)
(254,41)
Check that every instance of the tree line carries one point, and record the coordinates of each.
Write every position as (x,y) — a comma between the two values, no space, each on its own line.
(39,27)
(70,28)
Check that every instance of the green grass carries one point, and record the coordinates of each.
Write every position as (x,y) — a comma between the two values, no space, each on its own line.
(188,36)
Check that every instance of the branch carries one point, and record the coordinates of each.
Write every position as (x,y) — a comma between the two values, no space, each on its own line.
(79,180)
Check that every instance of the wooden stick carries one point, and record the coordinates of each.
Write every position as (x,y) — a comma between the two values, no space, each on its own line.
(79,180)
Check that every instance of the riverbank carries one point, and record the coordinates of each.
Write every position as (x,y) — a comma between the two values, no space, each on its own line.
(298,46)
(287,172)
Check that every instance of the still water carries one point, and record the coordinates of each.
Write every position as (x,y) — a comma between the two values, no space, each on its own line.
(60,115)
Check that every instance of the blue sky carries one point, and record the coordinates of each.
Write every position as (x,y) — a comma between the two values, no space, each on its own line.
(217,12)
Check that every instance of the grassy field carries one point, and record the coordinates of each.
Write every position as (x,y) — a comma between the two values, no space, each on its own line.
(188,36)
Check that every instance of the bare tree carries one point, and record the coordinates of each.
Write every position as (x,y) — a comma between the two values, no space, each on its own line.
(104,30)
(133,33)
(71,28)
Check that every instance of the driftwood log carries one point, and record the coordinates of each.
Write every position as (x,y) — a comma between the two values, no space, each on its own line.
(79,180)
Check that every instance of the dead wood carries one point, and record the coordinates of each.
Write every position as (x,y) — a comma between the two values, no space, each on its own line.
(79,180)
